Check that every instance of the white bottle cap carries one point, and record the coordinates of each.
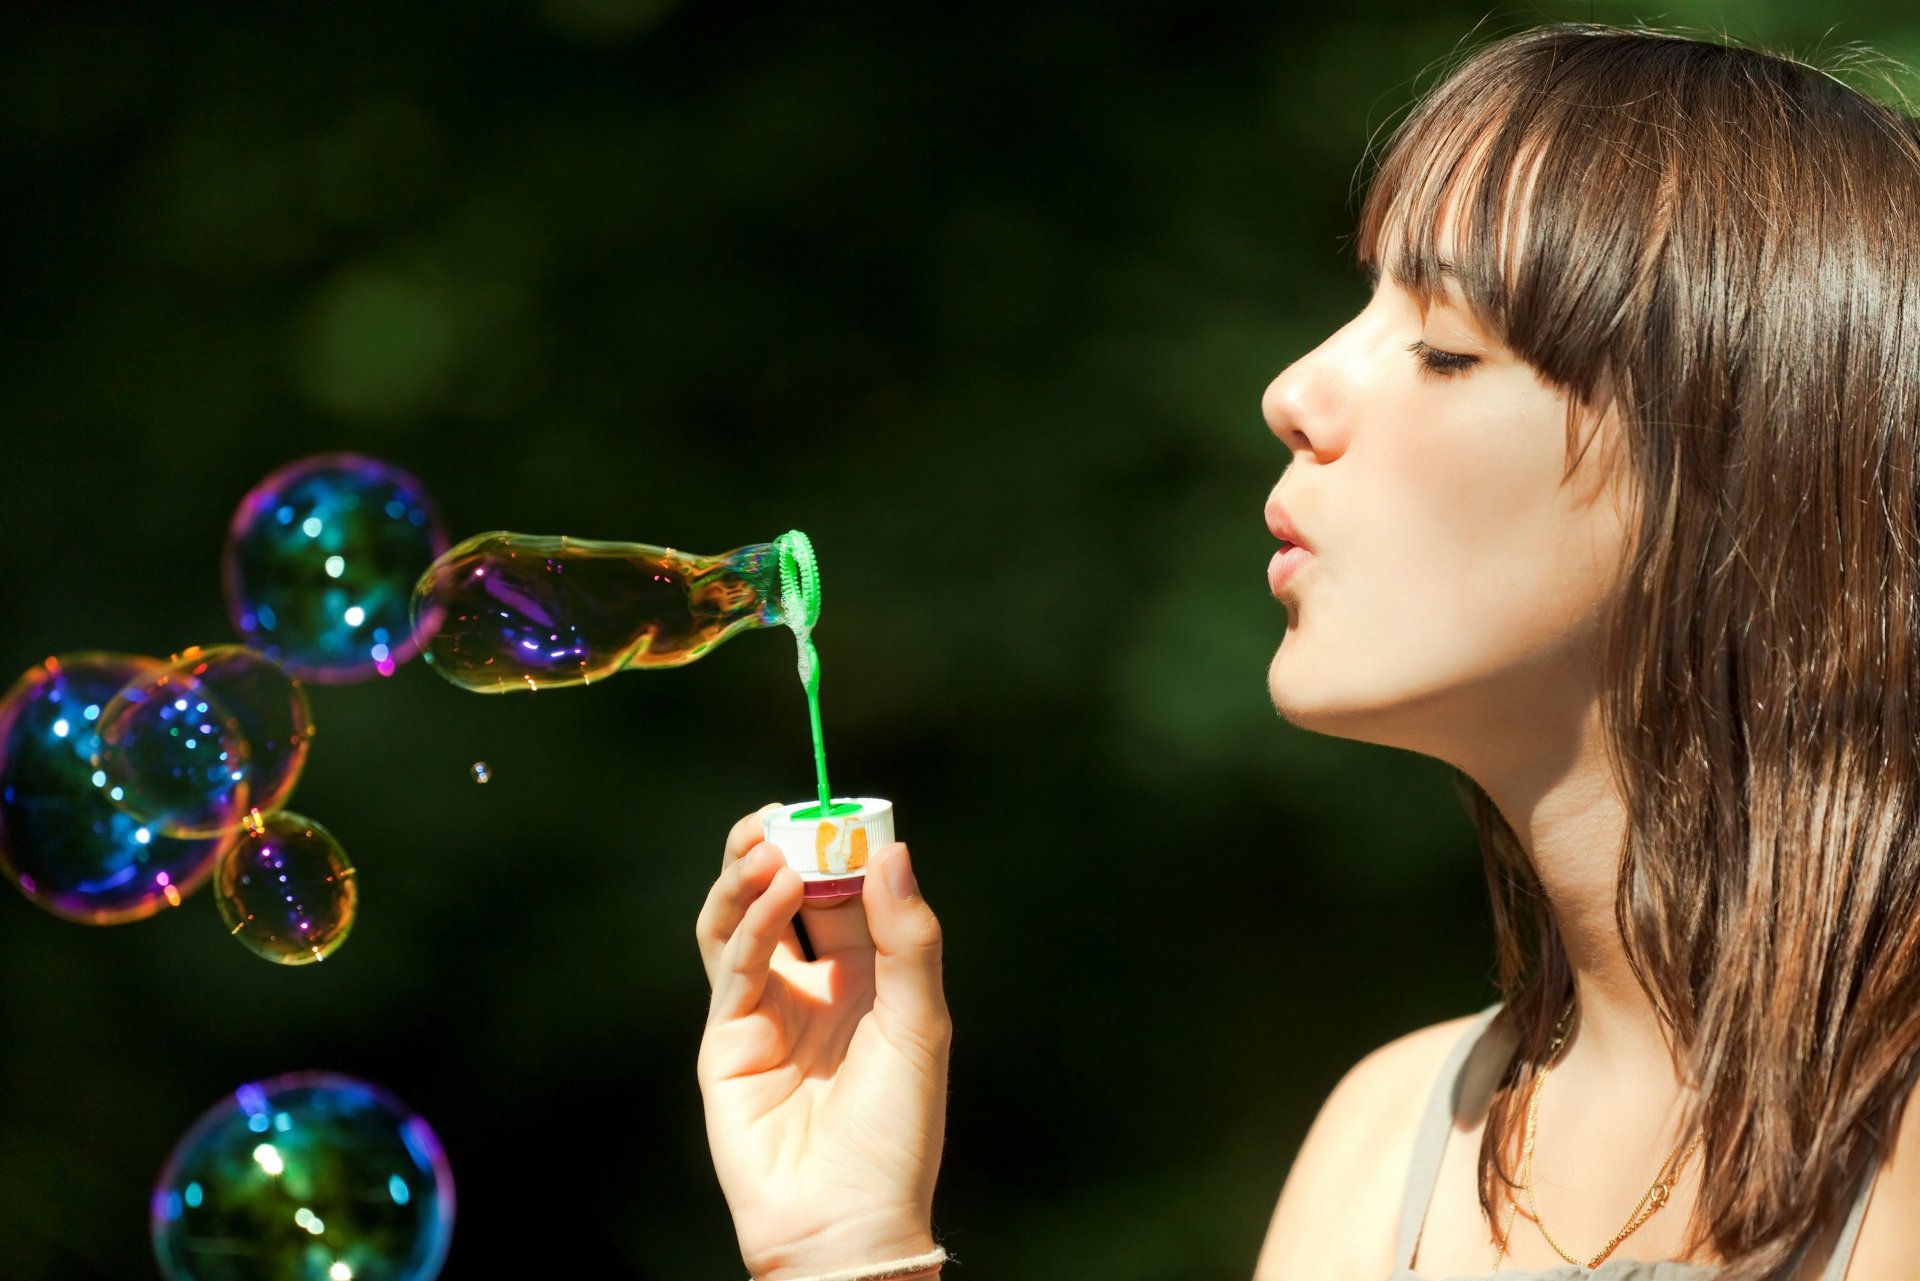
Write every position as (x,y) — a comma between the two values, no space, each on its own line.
(831,853)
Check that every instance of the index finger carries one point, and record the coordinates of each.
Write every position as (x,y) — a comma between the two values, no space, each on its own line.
(746,834)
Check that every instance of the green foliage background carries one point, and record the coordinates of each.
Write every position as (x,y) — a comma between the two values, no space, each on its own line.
(983,297)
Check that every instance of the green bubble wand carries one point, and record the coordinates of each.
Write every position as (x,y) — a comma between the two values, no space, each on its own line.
(800,610)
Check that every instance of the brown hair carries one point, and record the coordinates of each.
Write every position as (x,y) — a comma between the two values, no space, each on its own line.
(1723,246)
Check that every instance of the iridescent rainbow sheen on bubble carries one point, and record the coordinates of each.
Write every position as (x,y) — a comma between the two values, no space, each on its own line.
(528,611)
(312,1176)
(286,889)
(173,757)
(228,694)
(320,558)
(62,840)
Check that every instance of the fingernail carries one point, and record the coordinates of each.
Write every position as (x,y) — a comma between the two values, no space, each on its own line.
(900,876)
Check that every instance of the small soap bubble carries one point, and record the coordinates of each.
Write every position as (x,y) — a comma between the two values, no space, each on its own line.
(253,713)
(270,708)
(286,889)
(481,773)
(174,756)
(309,1175)
(321,559)
(63,840)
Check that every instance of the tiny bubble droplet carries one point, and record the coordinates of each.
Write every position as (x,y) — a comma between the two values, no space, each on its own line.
(481,774)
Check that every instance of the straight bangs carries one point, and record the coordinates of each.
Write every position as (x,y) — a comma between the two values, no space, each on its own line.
(1530,181)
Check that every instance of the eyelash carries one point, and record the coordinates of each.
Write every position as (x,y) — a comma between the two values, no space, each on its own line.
(1444,364)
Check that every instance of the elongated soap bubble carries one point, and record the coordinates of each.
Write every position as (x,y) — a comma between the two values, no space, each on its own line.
(504,612)
(312,1176)
(63,841)
(320,560)
(156,732)
(286,889)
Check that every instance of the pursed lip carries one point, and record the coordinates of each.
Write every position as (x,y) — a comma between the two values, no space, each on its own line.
(1283,528)
(1286,562)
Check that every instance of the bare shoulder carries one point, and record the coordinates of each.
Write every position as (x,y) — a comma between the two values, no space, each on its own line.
(1339,1210)
(1889,1239)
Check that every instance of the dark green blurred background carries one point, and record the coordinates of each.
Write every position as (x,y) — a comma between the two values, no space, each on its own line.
(982,297)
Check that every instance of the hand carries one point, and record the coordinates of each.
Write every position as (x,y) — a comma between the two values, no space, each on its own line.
(825,1081)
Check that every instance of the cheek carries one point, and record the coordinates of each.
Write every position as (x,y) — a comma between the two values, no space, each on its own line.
(1500,557)
(1460,554)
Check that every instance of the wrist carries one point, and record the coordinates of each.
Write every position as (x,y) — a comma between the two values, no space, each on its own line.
(846,1249)
(922,1267)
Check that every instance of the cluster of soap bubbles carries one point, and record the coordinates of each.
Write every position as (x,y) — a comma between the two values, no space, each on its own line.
(127,781)
(306,1176)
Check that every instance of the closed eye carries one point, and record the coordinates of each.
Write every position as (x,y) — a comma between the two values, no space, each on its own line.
(1444,364)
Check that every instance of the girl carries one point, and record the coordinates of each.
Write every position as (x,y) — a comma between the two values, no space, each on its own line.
(1610,499)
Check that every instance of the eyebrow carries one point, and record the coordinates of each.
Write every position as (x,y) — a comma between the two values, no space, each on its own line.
(1442,268)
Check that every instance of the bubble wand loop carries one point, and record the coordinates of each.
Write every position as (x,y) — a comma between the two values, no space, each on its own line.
(800,584)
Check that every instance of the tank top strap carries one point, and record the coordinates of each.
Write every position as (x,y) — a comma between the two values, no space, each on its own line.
(1430,1143)
(1842,1254)
(1849,1231)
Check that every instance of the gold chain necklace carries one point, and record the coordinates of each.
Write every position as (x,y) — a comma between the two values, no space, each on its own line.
(1650,1201)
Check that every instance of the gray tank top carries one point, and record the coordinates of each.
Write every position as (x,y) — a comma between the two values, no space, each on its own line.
(1424,1171)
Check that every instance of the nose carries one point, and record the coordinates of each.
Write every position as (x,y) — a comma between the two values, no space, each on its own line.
(1309,405)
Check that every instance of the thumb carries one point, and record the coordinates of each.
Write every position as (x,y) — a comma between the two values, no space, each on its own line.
(907,991)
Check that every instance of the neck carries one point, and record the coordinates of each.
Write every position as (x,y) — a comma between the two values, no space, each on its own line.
(1620,1099)
(1565,807)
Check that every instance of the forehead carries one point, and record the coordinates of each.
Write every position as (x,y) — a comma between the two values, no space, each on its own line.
(1454,226)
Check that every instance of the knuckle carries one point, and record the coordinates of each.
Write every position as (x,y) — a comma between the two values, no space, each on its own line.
(744,866)
(745,832)
(706,926)
(930,1037)
(705,1070)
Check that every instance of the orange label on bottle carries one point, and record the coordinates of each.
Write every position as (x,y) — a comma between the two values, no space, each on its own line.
(831,855)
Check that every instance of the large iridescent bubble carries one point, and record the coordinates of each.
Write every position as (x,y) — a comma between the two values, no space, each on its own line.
(67,846)
(217,732)
(320,562)
(313,1176)
(286,889)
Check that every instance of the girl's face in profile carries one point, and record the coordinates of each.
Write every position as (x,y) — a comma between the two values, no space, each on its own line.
(1456,575)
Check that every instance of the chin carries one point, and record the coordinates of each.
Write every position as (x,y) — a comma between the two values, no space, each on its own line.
(1322,703)
(1300,700)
